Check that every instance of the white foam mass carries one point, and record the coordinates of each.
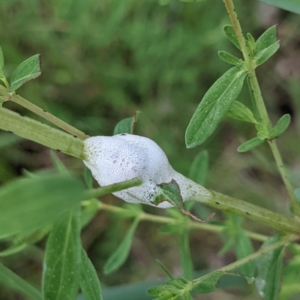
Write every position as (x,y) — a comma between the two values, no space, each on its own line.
(117,158)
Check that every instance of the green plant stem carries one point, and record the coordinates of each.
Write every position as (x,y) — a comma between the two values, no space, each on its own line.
(279,163)
(42,113)
(252,212)
(10,279)
(41,133)
(4,80)
(189,224)
(93,193)
(283,242)
(259,101)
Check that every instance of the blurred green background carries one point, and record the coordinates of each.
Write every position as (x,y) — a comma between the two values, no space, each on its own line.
(102,61)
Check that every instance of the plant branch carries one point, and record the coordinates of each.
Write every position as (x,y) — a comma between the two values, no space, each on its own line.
(252,212)
(280,166)
(186,222)
(42,113)
(108,189)
(41,133)
(283,242)
(259,101)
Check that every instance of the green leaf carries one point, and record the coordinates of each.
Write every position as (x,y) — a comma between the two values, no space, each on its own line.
(265,54)
(26,71)
(290,5)
(90,209)
(236,237)
(16,283)
(165,269)
(89,281)
(250,144)
(229,58)
(262,131)
(155,290)
(291,279)
(118,257)
(127,125)
(199,168)
(228,245)
(88,178)
(268,38)
(251,39)
(240,112)
(230,33)
(213,106)
(57,162)
(20,241)
(207,283)
(62,259)
(281,126)
(244,248)
(185,254)
(170,192)
(29,203)
(269,266)
(266,45)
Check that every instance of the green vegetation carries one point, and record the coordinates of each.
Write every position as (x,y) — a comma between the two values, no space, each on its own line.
(89,68)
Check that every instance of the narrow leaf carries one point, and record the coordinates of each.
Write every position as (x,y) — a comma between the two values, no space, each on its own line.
(250,38)
(240,112)
(20,242)
(27,70)
(127,125)
(267,39)
(57,162)
(118,257)
(263,136)
(185,254)
(165,269)
(265,54)
(244,248)
(170,192)
(30,203)
(199,168)
(269,266)
(90,209)
(213,106)
(250,144)
(262,131)
(62,259)
(230,33)
(88,178)
(13,281)
(281,126)
(291,279)
(89,281)
(290,5)
(266,45)
(229,58)
(207,283)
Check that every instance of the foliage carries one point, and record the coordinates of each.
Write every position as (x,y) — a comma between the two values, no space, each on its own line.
(130,56)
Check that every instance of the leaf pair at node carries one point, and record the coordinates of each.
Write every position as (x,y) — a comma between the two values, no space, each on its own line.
(265,134)
(260,51)
(26,71)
